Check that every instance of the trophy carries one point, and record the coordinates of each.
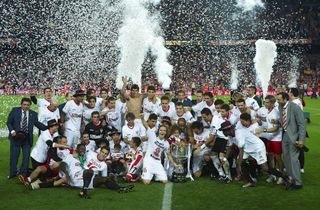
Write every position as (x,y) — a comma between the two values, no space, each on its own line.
(181,154)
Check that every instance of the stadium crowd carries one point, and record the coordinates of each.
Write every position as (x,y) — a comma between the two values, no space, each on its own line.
(35,56)
(99,135)
(92,141)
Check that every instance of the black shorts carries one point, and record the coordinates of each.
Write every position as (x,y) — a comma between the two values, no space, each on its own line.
(35,163)
(220,146)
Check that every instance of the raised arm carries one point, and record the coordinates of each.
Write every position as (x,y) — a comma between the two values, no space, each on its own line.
(123,91)
(33,99)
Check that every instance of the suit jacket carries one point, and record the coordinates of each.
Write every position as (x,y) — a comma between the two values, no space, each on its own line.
(186,102)
(14,120)
(296,124)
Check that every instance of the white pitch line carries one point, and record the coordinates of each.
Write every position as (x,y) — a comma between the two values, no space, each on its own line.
(167,195)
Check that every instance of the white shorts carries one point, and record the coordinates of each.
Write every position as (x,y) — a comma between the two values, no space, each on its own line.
(73,137)
(78,182)
(198,158)
(259,155)
(153,167)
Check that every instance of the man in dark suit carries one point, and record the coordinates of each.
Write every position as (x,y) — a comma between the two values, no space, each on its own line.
(20,123)
(293,137)
(181,97)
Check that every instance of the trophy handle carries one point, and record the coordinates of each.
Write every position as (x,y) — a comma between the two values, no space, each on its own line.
(189,175)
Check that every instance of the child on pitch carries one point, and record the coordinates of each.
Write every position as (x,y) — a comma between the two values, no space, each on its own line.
(175,138)
(134,169)
(118,162)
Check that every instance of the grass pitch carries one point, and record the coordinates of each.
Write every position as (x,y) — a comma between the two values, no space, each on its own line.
(203,193)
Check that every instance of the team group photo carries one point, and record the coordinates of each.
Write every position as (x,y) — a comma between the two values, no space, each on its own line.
(156,104)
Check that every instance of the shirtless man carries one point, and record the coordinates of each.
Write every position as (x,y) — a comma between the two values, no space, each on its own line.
(134,100)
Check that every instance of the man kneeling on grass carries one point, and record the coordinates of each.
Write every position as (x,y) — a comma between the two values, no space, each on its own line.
(251,147)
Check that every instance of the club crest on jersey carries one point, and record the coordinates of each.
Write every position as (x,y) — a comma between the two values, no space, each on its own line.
(92,164)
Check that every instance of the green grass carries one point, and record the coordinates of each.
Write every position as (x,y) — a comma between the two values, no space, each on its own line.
(200,194)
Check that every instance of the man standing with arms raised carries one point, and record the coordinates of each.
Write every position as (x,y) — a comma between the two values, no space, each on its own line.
(134,100)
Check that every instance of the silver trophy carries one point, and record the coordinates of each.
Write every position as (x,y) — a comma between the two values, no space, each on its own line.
(181,154)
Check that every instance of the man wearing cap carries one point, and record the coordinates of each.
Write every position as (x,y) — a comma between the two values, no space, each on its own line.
(72,118)
(45,140)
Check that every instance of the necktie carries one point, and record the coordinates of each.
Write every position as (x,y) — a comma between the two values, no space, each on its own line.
(284,119)
(24,126)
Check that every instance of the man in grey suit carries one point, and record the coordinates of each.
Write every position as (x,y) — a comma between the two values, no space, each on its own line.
(293,138)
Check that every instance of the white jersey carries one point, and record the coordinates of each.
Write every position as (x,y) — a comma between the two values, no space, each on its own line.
(237,113)
(74,114)
(45,115)
(41,102)
(96,165)
(201,138)
(40,150)
(121,106)
(252,128)
(262,114)
(298,102)
(62,153)
(98,105)
(248,141)
(198,112)
(75,171)
(171,112)
(138,130)
(124,147)
(273,119)
(214,127)
(187,116)
(199,106)
(117,155)
(87,114)
(91,146)
(231,117)
(150,107)
(156,147)
(114,117)
(252,103)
